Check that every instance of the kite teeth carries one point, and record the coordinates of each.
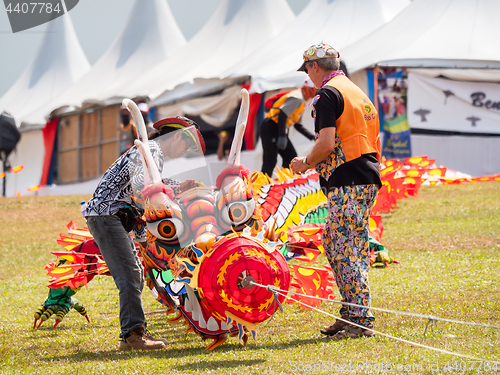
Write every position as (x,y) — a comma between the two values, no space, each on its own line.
(212,324)
(187,305)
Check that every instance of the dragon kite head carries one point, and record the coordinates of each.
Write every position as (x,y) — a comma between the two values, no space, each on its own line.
(200,247)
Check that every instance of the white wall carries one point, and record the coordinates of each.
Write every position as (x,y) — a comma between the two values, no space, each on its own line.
(30,152)
(477,156)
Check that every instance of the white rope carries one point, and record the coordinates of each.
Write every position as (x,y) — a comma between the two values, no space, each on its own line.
(385,334)
(431,318)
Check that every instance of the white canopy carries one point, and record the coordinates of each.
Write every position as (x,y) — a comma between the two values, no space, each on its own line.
(58,64)
(150,36)
(430,33)
(337,22)
(457,39)
(231,35)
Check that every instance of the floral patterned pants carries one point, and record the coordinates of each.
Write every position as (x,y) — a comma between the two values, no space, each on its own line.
(345,240)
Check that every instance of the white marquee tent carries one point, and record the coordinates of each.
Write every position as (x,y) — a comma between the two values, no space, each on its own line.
(231,35)
(58,64)
(273,63)
(337,22)
(430,33)
(149,37)
(134,50)
(455,39)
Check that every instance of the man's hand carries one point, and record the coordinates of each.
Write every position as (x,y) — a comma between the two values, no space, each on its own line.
(297,165)
(321,149)
(188,184)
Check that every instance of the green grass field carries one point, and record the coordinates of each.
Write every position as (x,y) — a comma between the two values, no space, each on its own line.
(448,243)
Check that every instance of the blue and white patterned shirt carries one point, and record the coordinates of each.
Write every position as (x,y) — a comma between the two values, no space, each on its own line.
(122,180)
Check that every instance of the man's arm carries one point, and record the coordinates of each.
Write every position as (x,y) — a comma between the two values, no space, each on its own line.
(322,148)
(302,130)
(329,107)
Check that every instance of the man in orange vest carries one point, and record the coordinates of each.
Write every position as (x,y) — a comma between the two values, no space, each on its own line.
(346,156)
(285,112)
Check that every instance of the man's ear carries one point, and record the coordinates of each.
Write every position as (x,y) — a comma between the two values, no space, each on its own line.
(177,136)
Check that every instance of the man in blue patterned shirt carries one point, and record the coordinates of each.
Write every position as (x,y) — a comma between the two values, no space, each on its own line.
(112,213)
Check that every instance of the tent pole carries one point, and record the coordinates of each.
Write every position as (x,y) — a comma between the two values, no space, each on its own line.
(375,86)
(4,182)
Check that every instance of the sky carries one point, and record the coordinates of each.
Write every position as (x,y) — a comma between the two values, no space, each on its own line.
(97,23)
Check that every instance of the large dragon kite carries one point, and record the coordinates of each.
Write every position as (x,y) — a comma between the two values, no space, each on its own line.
(211,248)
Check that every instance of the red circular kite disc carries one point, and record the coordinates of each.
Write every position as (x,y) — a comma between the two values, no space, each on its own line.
(236,258)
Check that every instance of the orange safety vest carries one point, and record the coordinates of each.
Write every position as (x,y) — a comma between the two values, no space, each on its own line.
(294,117)
(358,127)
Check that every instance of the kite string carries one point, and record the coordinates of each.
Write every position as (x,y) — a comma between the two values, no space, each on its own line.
(430,318)
(277,290)
(275,303)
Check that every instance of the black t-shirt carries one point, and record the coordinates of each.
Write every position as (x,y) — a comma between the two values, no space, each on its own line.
(360,171)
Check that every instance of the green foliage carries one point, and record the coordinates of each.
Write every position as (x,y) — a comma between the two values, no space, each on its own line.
(448,243)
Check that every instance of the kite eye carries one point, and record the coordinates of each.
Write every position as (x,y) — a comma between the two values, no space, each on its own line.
(238,213)
(167,230)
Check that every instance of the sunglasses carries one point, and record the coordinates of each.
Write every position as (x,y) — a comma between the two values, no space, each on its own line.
(190,144)
(305,68)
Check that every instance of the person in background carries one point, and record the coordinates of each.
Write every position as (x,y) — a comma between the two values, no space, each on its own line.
(144,108)
(401,107)
(112,213)
(128,131)
(285,112)
(346,156)
(225,141)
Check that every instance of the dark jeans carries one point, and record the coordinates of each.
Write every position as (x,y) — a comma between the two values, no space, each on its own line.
(269,136)
(120,254)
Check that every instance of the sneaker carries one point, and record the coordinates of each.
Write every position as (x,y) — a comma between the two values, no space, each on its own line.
(353,332)
(139,339)
(338,326)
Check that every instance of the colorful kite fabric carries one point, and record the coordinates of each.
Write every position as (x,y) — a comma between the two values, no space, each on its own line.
(218,269)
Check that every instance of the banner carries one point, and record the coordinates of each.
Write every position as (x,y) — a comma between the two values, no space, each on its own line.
(438,104)
(397,140)
(392,88)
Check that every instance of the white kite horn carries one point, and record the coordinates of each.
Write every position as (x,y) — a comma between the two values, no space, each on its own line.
(142,133)
(241,123)
(151,173)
